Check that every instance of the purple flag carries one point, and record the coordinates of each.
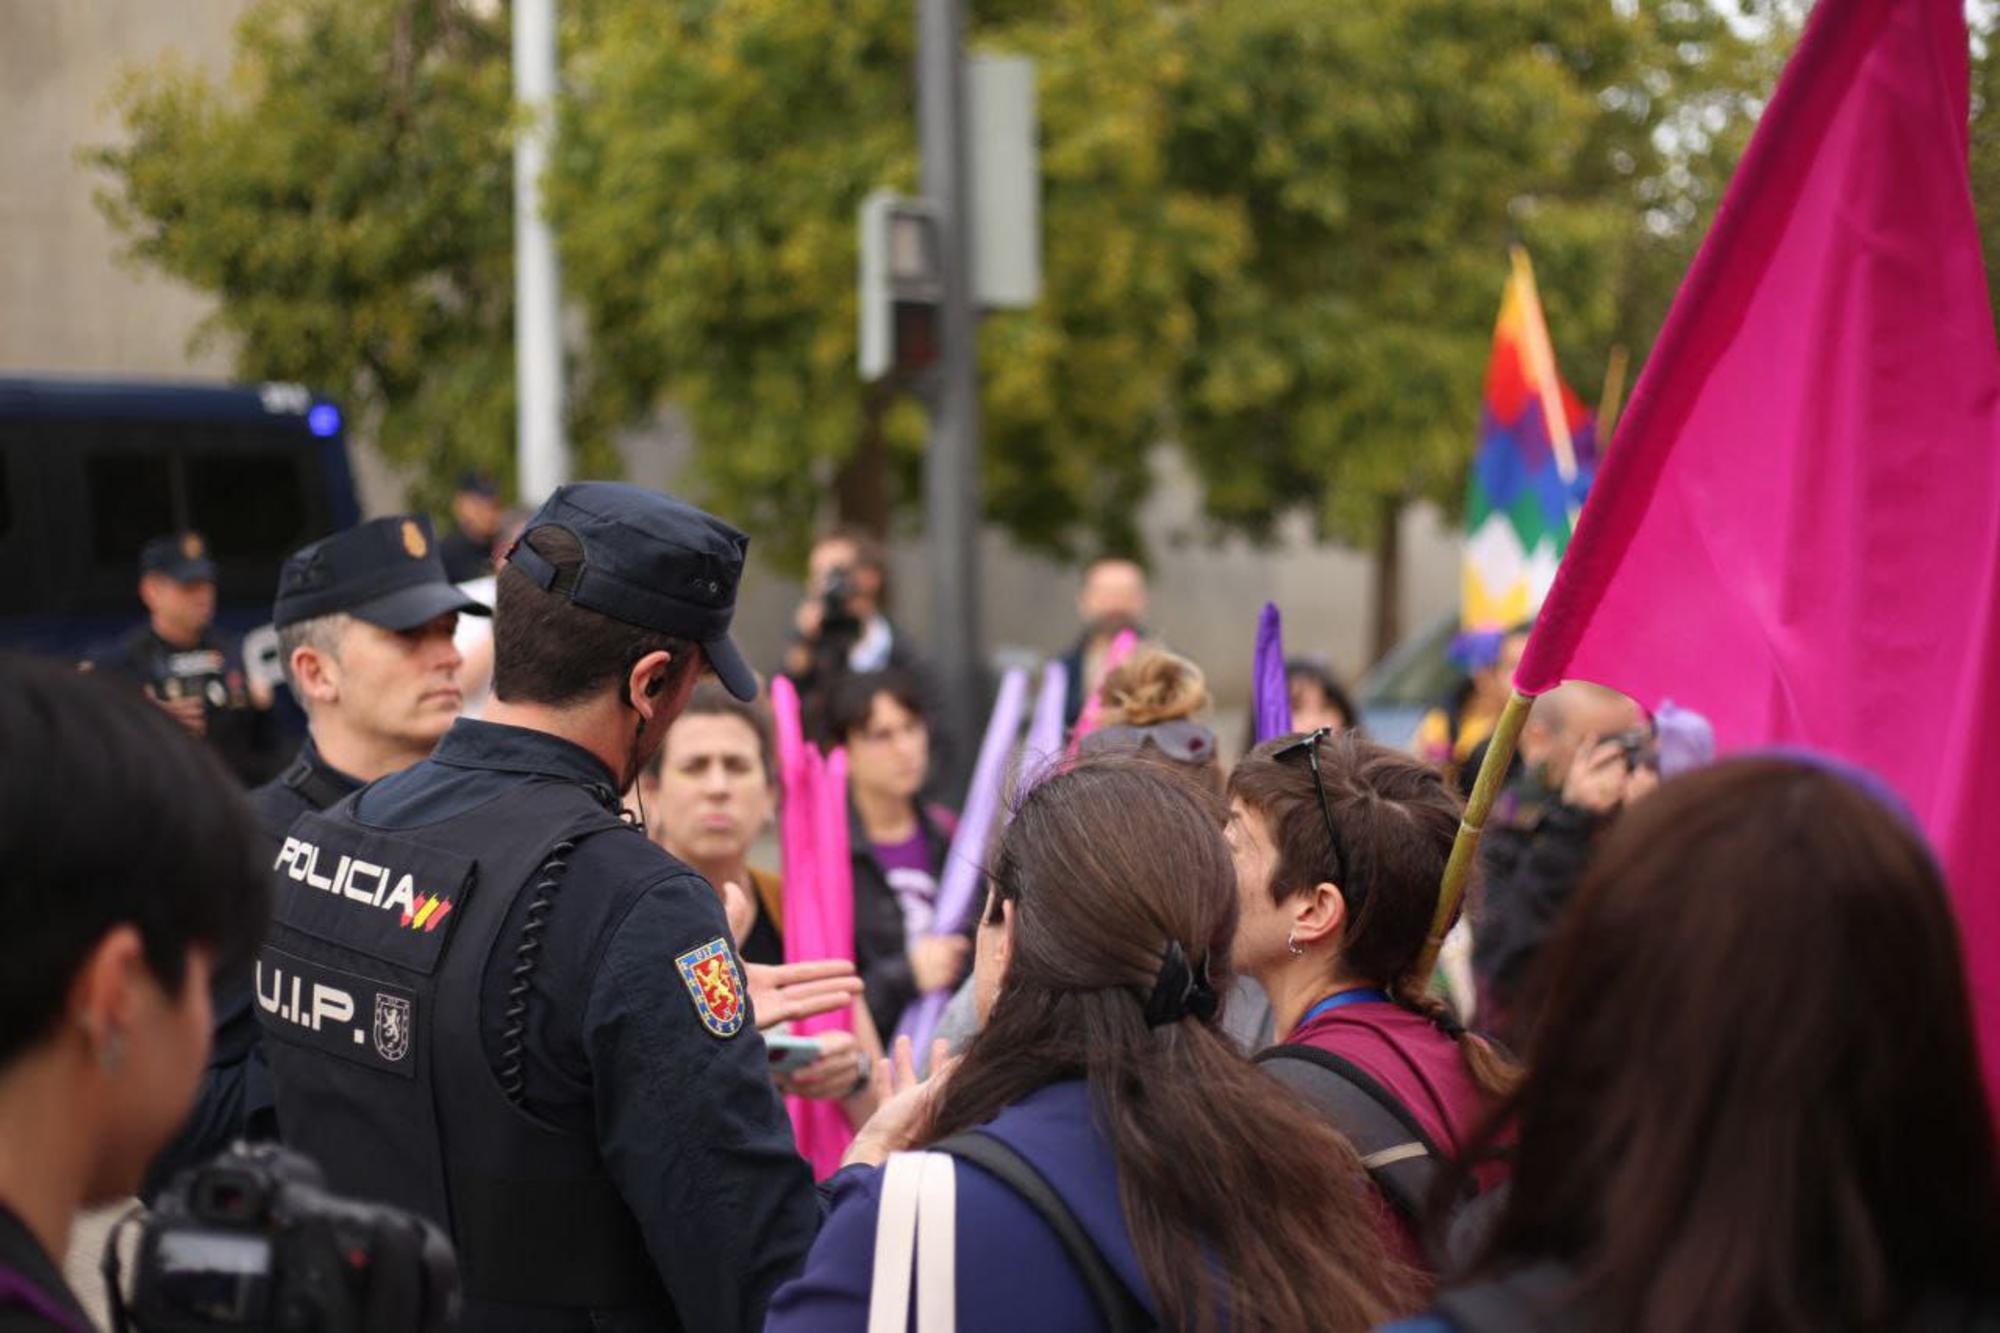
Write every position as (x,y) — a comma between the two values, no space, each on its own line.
(965,865)
(1270,699)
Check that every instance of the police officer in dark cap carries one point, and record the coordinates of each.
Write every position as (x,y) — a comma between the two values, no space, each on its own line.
(186,666)
(489,998)
(364,620)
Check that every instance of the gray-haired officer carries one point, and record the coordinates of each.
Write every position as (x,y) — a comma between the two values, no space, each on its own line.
(490,999)
(364,621)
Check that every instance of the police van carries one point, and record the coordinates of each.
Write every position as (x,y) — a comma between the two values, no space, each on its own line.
(92,469)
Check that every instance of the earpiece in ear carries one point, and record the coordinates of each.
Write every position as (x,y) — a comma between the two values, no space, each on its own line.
(655,685)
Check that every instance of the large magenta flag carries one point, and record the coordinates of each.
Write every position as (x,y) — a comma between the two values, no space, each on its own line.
(1797,527)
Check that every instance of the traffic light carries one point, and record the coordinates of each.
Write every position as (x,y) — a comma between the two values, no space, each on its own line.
(902,281)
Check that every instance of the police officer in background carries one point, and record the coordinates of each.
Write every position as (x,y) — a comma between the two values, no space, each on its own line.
(489,998)
(185,666)
(364,621)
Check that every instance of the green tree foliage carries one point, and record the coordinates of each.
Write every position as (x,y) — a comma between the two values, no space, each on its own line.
(1386,155)
(348,199)
(1274,232)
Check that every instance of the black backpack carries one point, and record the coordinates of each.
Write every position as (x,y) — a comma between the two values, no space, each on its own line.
(1400,1157)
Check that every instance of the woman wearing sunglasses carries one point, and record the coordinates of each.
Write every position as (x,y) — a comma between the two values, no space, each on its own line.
(1340,847)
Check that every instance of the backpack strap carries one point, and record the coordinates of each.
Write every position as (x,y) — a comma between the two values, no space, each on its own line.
(1400,1157)
(1120,1309)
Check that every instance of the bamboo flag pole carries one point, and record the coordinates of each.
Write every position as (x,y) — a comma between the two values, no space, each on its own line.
(1492,771)
(1614,396)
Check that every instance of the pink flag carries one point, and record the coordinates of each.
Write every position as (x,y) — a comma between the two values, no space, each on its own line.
(818,897)
(1796,530)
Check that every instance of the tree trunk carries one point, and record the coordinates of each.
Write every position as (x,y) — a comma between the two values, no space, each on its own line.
(861,486)
(1388,578)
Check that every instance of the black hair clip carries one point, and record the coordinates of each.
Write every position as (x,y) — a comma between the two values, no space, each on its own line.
(1180,990)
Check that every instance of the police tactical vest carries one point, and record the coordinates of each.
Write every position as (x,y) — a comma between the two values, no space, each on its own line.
(370,990)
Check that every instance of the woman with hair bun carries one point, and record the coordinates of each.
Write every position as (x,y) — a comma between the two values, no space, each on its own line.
(1152,705)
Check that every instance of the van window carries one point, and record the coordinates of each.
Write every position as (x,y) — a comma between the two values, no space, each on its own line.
(261,533)
(131,501)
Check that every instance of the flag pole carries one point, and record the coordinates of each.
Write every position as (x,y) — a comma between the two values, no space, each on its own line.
(1613,398)
(1492,771)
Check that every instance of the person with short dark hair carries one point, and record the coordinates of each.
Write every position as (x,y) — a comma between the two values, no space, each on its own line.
(189,668)
(1754,1101)
(131,879)
(842,626)
(1099,1094)
(898,843)
(476,517)
(364,621)
(527,1022)
(1113,599)
(708,795)
(1340,848)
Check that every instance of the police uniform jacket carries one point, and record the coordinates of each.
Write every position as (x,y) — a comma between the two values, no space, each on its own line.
(542,1041)
(235,1100)
(244,735)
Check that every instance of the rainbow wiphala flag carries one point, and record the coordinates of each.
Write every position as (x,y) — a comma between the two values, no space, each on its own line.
(1537,452)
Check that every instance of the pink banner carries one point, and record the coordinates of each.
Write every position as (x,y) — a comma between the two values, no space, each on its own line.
(1797,529)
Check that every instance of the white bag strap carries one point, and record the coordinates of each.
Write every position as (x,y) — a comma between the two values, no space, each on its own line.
(895,1245)
(937,1246)
(919,1195)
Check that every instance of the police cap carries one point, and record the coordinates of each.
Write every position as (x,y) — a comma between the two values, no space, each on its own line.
(181,556)
(386,572)
(649,561)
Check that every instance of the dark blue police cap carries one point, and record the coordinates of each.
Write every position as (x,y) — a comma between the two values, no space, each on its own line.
(386,572)
(181,556)
(649,561)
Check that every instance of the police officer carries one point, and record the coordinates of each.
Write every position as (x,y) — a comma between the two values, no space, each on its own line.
(489,998)
(185,666)
(364,621)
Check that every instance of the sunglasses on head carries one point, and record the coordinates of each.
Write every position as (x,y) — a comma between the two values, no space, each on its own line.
(1182,741)
(1308,745)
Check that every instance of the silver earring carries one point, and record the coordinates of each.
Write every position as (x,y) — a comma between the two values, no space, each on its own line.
(112,1053)
(1292,943)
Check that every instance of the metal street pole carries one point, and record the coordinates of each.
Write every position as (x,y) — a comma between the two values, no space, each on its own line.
(542,456)
(951,470)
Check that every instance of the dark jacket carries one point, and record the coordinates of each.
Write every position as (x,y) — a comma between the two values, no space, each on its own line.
(881,941)
(235,1099)
(33,1295)
(1012,1273)
(245,736)
(1531,873)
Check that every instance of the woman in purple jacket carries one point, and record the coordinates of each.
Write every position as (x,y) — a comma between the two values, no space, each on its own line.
(1196,1191)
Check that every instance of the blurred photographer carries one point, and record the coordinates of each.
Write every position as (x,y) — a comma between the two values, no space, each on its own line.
(1587,752)
(131,878)
(842,626)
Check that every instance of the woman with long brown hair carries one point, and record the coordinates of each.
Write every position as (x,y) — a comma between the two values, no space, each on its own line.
(1207,1196)
(1340,849)
(1754,1100)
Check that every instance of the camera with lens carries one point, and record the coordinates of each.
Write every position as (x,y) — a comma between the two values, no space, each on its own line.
(1640,747)
(252,1240)
(838,621)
